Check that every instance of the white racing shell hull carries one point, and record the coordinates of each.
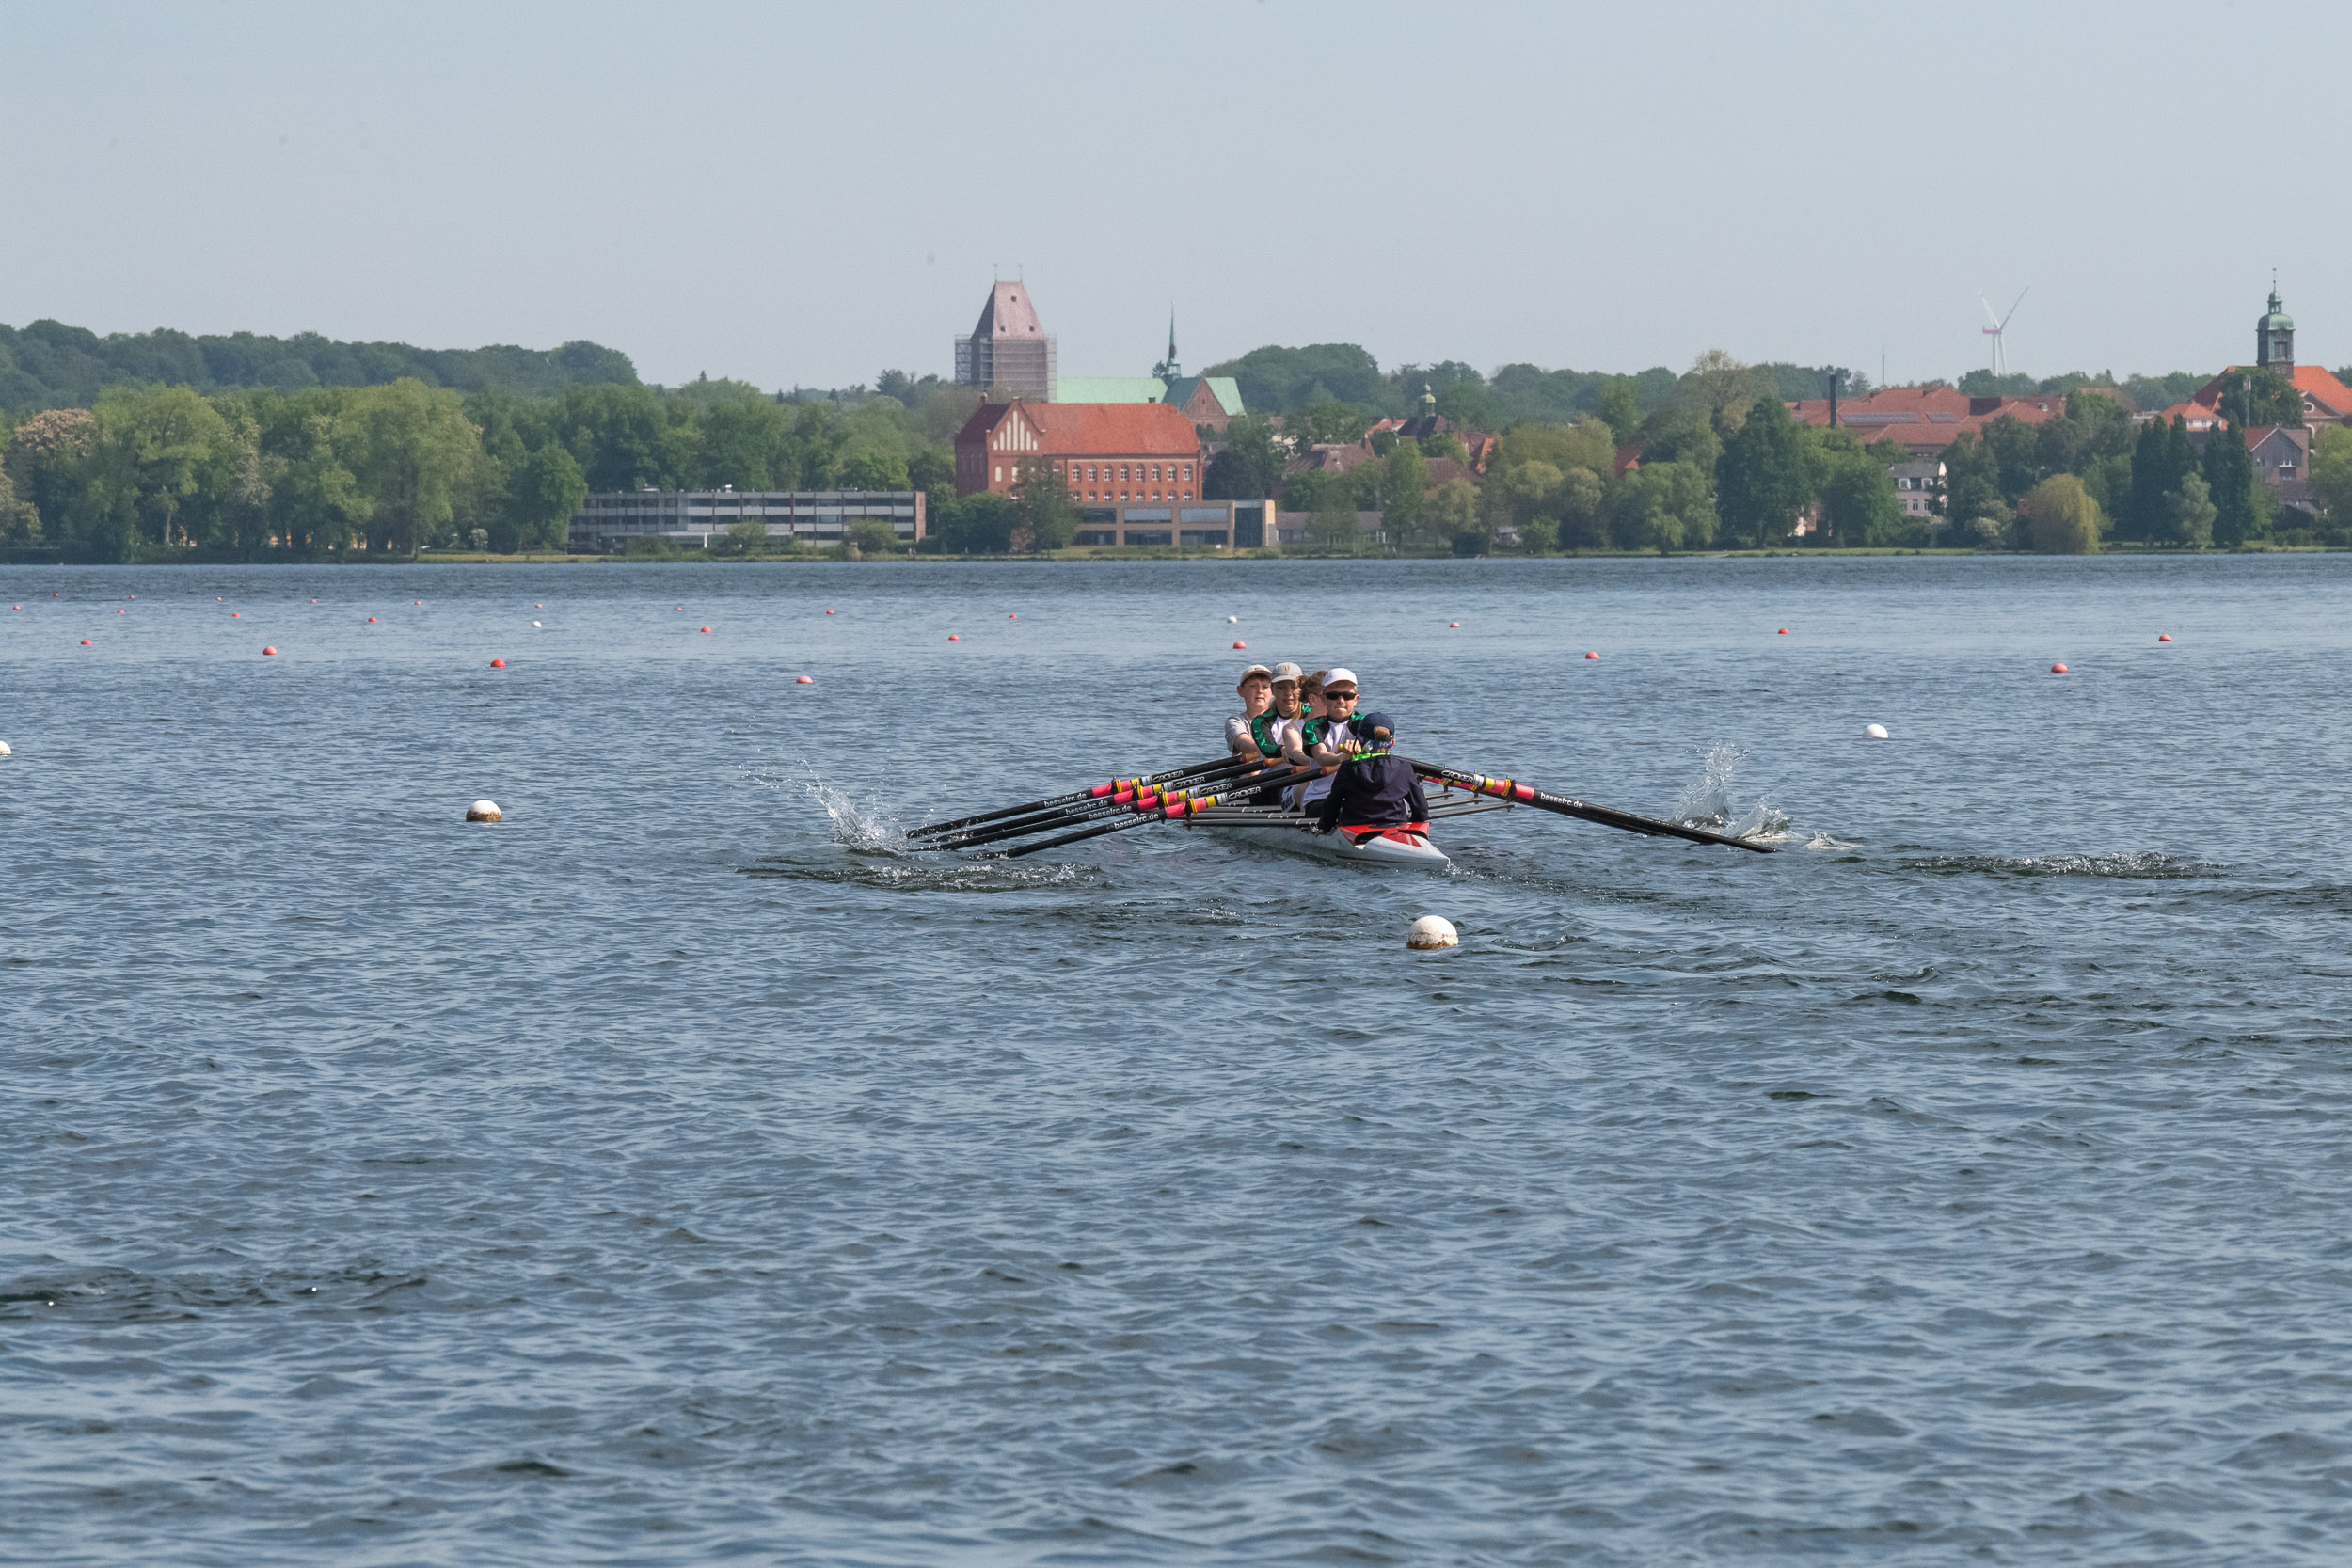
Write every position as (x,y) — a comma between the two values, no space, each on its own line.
(1411,849)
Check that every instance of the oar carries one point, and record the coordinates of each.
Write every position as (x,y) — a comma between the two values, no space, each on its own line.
(1072,798)
(1119,805)
(1164,814)
(1102,806)
(1528,796)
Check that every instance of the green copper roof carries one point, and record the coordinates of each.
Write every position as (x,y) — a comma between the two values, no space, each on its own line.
(2278,321)
(1110,389)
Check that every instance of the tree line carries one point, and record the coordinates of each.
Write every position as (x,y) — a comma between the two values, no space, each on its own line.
(328,472)
(51,365)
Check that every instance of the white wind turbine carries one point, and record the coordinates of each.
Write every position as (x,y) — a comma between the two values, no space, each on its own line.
(2001,324)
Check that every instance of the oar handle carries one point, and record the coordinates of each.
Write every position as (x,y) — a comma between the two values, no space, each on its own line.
(1607,816)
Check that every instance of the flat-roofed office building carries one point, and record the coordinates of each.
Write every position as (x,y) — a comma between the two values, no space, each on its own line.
(1196,525)
(689,519)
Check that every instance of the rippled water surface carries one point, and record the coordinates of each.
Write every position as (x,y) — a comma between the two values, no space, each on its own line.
(678,1171)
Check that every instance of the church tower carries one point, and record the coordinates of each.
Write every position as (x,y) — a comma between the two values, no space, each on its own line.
(2274,339)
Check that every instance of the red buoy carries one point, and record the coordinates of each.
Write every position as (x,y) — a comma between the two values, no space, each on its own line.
(232,614)
(84,641)
(1241,644)
(803,680)
(1452,624)
(2164,637)
(1014,616)
(267,652)
(2058,669)
(828,612)
(1782,632)
(953,638)
(497,664)
(1591,656)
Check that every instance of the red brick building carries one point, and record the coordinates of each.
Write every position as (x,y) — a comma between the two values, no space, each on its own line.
(1106,453)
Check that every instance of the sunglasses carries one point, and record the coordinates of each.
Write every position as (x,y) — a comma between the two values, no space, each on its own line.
(1339,696)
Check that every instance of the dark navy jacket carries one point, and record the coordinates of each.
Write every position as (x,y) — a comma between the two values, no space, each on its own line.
(1374,792)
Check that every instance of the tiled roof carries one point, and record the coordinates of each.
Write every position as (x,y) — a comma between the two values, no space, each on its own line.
(1093,429)
(1924,416)
(1009,313)
(2332,396)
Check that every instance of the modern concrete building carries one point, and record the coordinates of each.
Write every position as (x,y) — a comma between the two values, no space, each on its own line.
(689,519)
(1009,349)
(1197,525)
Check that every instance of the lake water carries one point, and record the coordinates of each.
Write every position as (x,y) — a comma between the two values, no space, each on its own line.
(677,1172)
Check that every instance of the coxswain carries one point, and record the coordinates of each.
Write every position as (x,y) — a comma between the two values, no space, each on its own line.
(1374,793)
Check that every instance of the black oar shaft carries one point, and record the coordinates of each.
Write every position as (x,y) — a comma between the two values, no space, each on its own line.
(1105,805)
(1072,797)
(1145,820)
(1607,816)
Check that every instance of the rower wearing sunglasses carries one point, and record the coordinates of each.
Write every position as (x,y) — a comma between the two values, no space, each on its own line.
(1374,794)
(1327,737)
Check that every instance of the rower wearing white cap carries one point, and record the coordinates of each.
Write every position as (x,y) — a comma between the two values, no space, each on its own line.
(1328,738)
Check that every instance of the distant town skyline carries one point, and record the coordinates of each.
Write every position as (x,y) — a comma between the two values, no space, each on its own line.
(1591,191)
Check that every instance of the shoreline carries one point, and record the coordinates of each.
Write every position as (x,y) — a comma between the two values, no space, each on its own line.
(1119,556)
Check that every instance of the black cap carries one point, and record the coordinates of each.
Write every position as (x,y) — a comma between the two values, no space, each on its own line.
(1372,724)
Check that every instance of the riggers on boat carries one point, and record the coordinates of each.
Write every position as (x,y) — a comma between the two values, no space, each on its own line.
(1280,829)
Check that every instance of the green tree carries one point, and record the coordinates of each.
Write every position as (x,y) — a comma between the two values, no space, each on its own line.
(1333,527)
(2331,472)
(872,536)
(1250,465)
(1720,390)
(2228,473)
(1662,507)
(418,452)
(1619,409)
(2188,514)
(1859,506)
(1972,484)
(1762,481)
(977,524)
(1577,506)
(1044,507)
(1330,421)
(747,537)
(2065,521)
(1453,514)
(546,495)
(1405,483)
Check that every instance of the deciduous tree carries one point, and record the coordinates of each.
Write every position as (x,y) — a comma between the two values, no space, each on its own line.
(2064,518)
(1762,481)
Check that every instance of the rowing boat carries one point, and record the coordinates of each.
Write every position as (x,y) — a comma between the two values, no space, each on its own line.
(1278,828)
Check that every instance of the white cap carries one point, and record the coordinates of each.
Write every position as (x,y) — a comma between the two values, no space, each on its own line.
(1336,677)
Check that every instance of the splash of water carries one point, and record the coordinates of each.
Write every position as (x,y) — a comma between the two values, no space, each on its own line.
(859,825)
(1707,800)
(856,824)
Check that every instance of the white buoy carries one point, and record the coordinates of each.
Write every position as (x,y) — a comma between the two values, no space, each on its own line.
(484,811)
(1233,620)
(534,623)
(1433,930)
(1876,732)
(3,750)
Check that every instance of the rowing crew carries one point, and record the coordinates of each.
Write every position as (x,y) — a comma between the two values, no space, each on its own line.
(1311,721)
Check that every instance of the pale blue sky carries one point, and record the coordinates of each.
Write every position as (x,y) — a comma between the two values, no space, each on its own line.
(807,194)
